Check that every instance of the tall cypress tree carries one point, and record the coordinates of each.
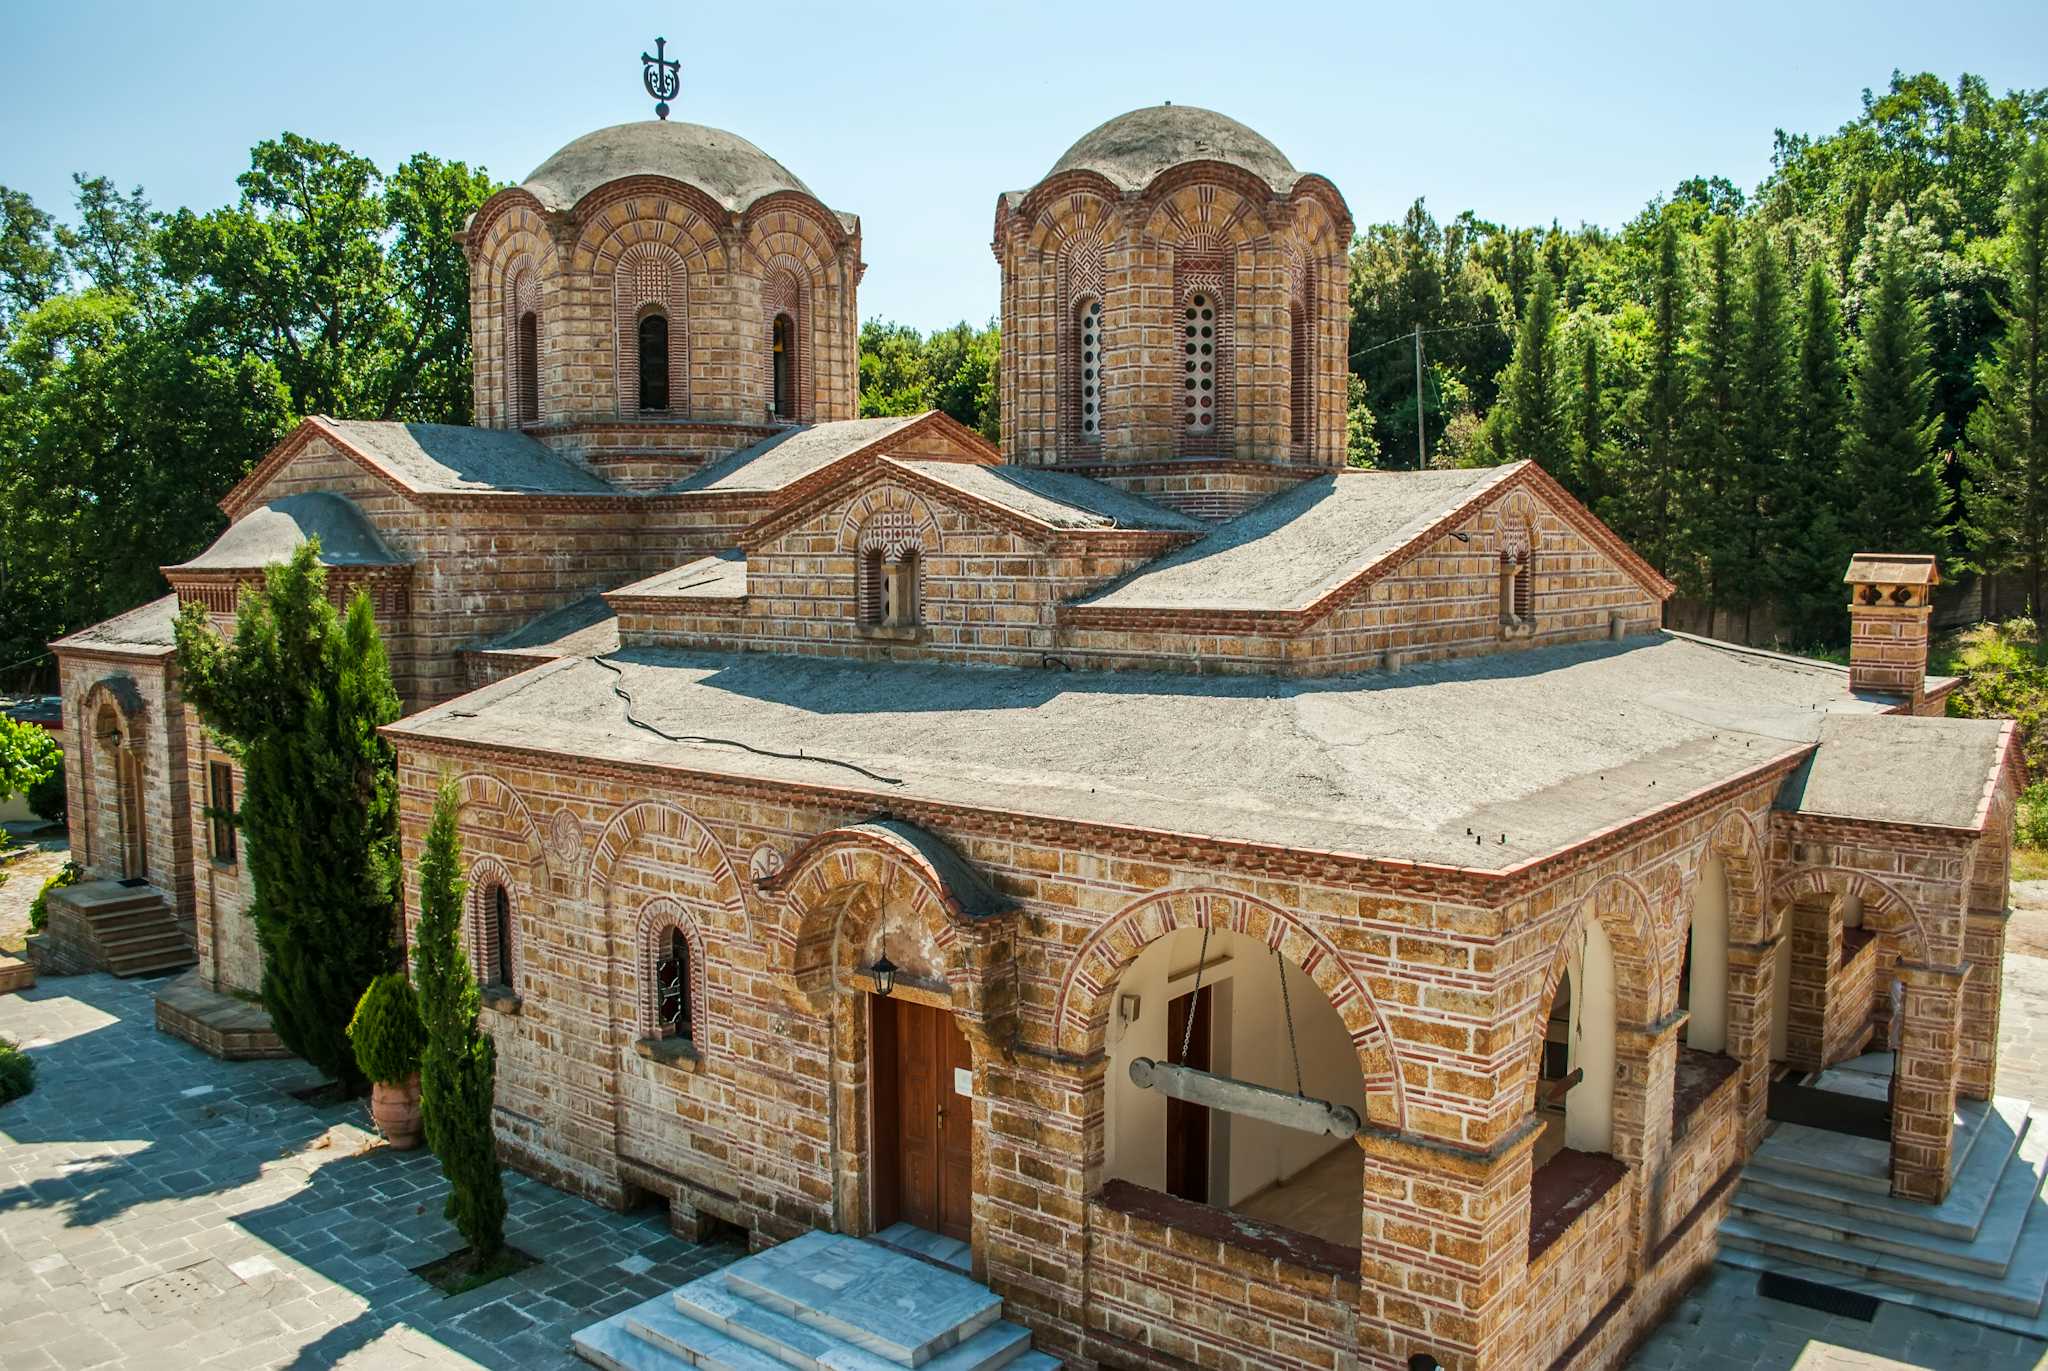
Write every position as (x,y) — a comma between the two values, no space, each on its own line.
(2005,495)
(1659,410)
(297,698)
(1713,497)
(1763,422)
(1897,497)
(1534,423)
(1810,551)
(459,1067)
(1590,454)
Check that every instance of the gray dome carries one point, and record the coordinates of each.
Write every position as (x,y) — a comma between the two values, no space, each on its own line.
(723,165)
(1132,149)
(268,536)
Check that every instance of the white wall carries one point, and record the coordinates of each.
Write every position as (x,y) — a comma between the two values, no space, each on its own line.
(1707,995)
(1589,1105)
(1248,1031)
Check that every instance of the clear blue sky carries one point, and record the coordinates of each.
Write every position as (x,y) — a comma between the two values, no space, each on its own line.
(916,116)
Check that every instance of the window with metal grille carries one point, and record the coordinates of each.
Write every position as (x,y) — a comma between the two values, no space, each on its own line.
(672,986)
(653,339)
(1301,378)
(785,359)
(1091,370)
(1198,333)
(220,803)
(529,369)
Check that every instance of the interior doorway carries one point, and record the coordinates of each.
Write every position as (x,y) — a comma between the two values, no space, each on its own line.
(1187,1125)
(924,1119)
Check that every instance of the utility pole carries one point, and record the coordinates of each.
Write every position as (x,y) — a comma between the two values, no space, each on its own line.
(1421,426)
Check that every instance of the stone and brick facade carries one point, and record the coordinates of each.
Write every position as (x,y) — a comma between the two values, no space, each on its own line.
(759,713)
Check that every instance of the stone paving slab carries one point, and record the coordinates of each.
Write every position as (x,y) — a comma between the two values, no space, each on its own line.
(161,1209)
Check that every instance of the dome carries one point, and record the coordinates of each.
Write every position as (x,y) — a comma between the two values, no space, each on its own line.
(723,165)
(1132,149)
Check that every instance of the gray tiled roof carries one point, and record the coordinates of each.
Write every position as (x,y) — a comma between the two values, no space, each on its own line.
(270,534)
(455,458)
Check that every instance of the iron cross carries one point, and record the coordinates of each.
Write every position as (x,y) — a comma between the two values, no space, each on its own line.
(662,77)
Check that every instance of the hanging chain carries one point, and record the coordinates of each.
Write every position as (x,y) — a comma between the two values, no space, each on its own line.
(1187,1033)
(1287,1004)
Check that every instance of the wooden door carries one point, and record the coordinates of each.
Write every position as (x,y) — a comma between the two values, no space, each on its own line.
(1187,1125)
(134,857)
(924,1123)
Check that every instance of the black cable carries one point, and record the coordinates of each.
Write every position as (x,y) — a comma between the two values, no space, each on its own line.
(619,689)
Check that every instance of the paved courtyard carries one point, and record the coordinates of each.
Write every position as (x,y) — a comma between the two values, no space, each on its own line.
(160,1209)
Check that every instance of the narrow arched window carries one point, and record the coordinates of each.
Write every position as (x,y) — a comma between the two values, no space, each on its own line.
(1517,598)
(1089,326)
(1198,334)
(784,342)
(672,985)
(899,592)
(1301,378)
(501,930)
(529,369)
(653,340)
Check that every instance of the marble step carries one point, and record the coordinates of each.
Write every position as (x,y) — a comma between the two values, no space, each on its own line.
(657,1336)
(709,1300)
(2027,1325)
(893,1306)
(1958,1217)
(1989,1252)
(1807,1155)
(2018,1291)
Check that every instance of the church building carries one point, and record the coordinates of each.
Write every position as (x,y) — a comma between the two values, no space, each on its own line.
(1242,911)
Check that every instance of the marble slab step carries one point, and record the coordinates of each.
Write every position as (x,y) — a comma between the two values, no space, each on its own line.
(893,1306)
(1958,1217)
(1816,1155)
(1988,1253)
(2018,1291)
(613,1346)
(661,1325)
(710,1300)
(2033,1326)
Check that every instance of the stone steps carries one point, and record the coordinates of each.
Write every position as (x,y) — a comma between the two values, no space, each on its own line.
(1982,1254)
(822,1302)
(16,974)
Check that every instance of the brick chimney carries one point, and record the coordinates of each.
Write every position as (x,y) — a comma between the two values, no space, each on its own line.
(1890,604)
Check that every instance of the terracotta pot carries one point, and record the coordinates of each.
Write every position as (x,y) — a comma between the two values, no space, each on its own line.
(396,1108)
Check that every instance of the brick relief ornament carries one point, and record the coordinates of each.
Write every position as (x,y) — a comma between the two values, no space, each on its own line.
(565,839)
(766,864)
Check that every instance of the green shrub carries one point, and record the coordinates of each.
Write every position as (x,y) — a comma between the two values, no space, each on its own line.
(38,910)
(17,1072)
(2003,678)
(27,755)
(46,797)
(386,1031)
(2031,829)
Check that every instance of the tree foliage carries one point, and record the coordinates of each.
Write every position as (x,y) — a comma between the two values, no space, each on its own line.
(458,1068)
(28,755)
(297,698)
(953,371)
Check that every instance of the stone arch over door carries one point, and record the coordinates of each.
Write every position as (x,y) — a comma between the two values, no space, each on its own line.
(840,897)
(113,729)
(1081,1017)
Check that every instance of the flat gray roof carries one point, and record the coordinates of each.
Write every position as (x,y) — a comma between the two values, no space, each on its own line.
(458,458)
(578,628)
(1900,769)
(1438,763)
(1058,498)
(786,458)
(1288,552)
(143,631)
(723,575)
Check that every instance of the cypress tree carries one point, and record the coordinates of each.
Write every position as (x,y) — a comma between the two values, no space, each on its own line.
(1590,455)
(1660,410)
(1533,411)
(459,1067)
(1763,421)
(1714,497)
(1897,497)
(1809,550)
(2005,495)
(297,698)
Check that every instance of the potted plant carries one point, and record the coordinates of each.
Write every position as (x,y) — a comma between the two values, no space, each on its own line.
(387,1037)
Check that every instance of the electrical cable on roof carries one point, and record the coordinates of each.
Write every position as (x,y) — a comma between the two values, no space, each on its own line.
(619,689)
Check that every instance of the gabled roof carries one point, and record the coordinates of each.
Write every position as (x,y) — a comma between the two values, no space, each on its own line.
(1055,499)
(1892,569)
(270,534)
(142,632)
(1309,548)
(431,459)
(781,461)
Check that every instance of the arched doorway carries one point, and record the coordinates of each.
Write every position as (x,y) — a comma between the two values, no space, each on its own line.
(1703,980)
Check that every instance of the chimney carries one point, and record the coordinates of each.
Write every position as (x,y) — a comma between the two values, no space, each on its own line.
(1890,604)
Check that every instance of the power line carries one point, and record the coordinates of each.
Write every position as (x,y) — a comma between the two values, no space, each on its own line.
(1406,337)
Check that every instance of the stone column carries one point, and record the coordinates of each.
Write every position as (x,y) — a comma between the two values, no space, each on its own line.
(1038,1154)
(1816,933)
(1646,1070)
(1752,973)
(1984,954)
(1446,1239)
(1923,1109)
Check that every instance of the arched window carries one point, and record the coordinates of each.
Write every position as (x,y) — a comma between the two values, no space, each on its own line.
(653,358)
(1515,598)
(672,986)
(491,935)
(527,368)
(501,930)
(1301,378)
(784,343)
(671,972)
(899,591)
(1089,372)
(1703,987)
(1198,335)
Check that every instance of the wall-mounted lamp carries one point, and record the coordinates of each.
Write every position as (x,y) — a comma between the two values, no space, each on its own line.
(1127,1007)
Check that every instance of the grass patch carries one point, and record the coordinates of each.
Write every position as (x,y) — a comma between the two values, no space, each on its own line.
(2030,864)
(17,1072)
(458,1271)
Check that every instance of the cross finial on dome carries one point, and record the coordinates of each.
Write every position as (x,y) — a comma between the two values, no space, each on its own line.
(662,77)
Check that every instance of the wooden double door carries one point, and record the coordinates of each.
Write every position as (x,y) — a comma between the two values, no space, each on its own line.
(924,1119)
